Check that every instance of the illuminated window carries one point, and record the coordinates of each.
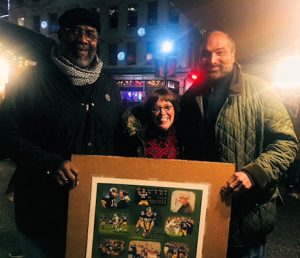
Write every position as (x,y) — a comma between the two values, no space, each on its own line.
(132,15)
(141,31)
(152,13)
(113,13)
(44,24)
(131,53)
(53,26)
(121,56)
(21,21)
(36,23)
(150,53)
(113,54)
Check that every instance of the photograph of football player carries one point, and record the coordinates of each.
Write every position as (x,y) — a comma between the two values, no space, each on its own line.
(123,199)
(102,222)
(176,250)
(111,247)
(109,199)
(183,202)
(143,197)
(143,211)
(124,223)
(115,223)
(144,249)
(146,221)
(179,226)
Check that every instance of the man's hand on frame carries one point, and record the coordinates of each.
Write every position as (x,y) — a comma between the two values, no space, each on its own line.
(67,175)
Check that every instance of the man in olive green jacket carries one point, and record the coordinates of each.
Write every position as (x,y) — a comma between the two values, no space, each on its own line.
(230,116)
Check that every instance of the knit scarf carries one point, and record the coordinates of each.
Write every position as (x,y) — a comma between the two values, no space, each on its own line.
(77,75)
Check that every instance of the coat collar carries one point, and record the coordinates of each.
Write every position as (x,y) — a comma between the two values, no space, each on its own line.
(236,83)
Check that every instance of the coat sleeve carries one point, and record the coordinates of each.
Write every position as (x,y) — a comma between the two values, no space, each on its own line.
(280,142)
(130,137)
(16,112)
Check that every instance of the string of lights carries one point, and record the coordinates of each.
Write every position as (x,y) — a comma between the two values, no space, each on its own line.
(13,59)
(11,64)
(140,83)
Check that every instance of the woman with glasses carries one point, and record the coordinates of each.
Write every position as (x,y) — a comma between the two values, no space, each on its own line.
(150,130)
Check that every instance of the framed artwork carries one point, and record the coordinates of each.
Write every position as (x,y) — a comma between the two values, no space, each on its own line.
(139,207)
(139,218)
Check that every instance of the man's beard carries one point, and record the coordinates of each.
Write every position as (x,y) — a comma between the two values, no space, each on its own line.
(71,52)
(214,76)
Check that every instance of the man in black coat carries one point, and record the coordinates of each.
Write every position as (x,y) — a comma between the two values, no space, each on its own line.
(65,105)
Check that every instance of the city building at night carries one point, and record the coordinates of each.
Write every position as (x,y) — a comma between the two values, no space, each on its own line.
(144,44)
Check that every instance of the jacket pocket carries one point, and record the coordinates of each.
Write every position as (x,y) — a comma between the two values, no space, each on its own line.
(259,221)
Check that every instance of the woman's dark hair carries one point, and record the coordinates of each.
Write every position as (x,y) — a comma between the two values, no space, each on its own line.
(162,94)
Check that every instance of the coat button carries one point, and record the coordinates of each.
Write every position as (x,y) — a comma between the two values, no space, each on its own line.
(107,97)
(139,151)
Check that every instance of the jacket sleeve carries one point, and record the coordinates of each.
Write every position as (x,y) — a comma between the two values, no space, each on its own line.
(130,138)
(16,112)
(280,142)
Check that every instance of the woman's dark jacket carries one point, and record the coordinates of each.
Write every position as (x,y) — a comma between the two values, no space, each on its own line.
(45,119)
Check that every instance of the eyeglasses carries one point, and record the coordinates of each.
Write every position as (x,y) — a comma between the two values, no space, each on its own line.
(156,110)
(91,35)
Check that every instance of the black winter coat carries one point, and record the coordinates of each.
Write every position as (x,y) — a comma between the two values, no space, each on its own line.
(44,120)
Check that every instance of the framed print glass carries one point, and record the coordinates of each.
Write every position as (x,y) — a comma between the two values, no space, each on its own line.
(139,218)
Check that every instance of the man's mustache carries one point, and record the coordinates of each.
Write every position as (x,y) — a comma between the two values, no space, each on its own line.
(80,46)
(215,66)
(83,47)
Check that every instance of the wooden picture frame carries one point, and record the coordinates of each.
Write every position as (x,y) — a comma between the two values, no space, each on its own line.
(173,179)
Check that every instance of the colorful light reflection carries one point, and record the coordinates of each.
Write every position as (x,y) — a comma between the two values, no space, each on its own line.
(133,96)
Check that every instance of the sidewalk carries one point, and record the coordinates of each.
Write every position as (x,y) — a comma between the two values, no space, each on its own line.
(284,241)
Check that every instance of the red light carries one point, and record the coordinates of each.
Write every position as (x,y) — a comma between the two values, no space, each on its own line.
(194,76)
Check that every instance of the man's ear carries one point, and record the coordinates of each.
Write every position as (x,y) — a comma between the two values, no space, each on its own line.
(234,56)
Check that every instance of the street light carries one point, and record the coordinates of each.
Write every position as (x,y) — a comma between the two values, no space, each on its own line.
(287,75)
(4,72)
(167,48)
